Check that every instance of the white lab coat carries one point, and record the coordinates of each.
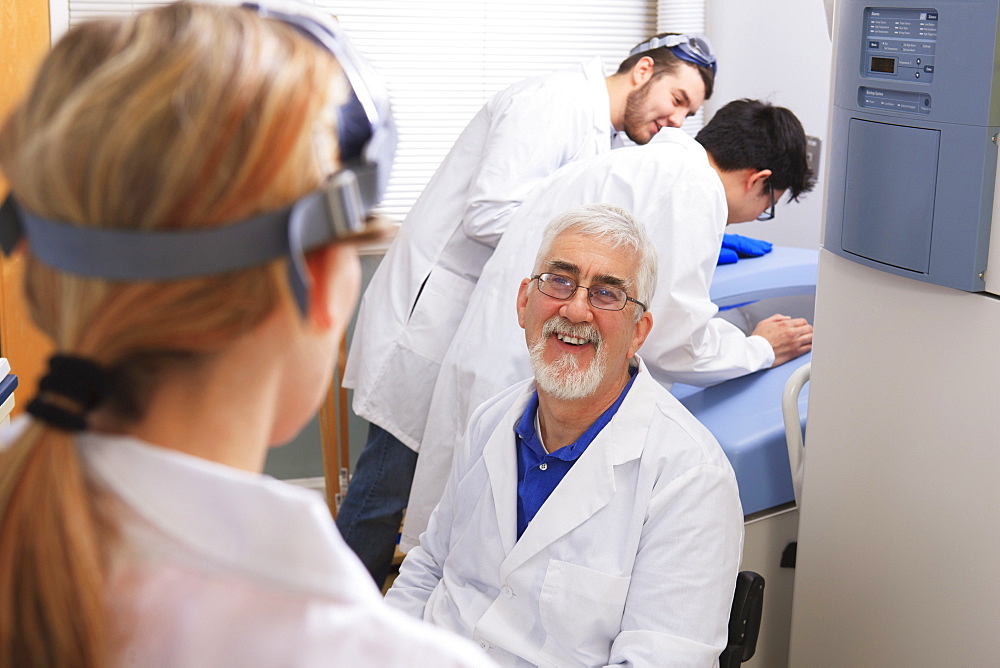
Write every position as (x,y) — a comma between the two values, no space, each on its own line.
(522,135)
(219,567)
(631,561)
(670,187)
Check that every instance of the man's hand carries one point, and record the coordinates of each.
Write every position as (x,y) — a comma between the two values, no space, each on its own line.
(790,337)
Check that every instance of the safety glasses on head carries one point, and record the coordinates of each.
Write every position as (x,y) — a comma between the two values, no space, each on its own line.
(338,209)
(694,49)
(365,127)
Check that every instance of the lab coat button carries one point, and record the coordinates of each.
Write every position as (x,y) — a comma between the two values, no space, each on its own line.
(485,645)
(543,466)
(507,592)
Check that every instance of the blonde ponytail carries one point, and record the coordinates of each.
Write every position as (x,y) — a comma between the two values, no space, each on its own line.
(52,556)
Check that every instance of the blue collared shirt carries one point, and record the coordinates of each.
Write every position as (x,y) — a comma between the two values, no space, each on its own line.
(538,471)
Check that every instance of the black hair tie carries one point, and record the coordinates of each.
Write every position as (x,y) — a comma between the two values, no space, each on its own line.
(68,392)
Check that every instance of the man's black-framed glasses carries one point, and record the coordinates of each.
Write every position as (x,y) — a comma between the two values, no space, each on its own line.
(768,213)
(604,297)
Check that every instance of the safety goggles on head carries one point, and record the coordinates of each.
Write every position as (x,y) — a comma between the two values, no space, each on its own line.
(694,49)
(339,209)
(365,127)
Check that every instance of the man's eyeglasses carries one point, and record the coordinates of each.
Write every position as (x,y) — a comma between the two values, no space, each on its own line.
(604,297)
(768,212)
(691,48)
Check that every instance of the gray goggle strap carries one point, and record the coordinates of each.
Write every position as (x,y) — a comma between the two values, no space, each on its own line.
(138,255)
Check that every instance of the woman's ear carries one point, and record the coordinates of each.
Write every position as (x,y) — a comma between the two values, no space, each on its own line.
(334,280)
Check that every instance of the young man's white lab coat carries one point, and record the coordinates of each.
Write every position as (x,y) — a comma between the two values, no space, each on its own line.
(521,136)
(631,561)
(671,188)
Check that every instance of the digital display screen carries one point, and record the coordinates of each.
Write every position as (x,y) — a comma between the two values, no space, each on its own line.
(885,65)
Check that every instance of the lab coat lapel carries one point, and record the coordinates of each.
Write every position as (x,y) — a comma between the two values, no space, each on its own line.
(500,455)
(590,484)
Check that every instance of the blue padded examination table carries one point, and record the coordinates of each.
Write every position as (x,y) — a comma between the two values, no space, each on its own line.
(744,414)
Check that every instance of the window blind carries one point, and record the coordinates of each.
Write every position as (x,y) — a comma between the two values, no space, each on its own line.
(442,59)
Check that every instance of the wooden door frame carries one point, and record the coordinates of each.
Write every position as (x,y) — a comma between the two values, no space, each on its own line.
(25,28)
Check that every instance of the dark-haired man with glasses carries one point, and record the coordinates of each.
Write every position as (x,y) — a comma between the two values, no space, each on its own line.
(589,519)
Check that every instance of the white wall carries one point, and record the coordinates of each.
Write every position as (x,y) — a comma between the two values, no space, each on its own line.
(778,51)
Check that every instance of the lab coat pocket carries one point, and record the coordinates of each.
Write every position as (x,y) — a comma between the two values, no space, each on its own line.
(437,314)
(581,611)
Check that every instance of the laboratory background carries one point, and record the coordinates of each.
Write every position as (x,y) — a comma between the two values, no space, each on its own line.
(877,533)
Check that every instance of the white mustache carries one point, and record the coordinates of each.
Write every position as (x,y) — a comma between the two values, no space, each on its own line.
(579,330)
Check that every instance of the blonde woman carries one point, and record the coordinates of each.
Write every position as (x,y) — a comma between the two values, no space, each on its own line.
(189,222)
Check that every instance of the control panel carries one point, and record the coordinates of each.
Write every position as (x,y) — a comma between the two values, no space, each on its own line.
(900,44)
(914,133)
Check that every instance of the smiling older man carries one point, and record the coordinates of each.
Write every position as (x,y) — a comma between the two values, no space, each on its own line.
(589,519)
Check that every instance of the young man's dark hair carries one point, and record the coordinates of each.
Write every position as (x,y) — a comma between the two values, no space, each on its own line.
(665,62)
(755,134)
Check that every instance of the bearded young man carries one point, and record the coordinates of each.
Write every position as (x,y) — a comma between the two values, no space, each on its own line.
(589,519)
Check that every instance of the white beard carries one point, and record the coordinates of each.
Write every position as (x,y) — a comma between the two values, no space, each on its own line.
(563,378)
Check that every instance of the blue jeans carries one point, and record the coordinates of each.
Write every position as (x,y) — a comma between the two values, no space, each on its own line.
(371,511)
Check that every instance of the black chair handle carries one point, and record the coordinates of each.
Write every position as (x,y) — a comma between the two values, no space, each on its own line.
(744,620)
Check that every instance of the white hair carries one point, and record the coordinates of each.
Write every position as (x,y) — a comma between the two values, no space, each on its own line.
(617,227)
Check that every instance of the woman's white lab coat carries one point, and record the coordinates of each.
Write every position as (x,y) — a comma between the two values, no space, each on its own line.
(631,561)
(213,566)
(522,135)
(669,186)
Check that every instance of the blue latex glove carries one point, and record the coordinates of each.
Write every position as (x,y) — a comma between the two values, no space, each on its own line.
(727,256)
(745,246)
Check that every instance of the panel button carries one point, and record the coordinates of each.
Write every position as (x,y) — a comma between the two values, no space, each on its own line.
(872,44)
(929,69)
